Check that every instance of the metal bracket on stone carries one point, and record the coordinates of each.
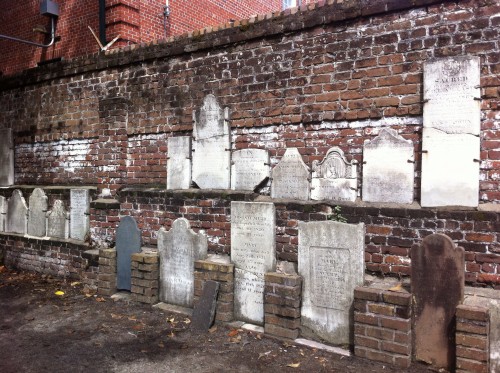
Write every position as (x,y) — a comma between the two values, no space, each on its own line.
(476,160)
(227,150)
(351,188)
(424,151)
(424,101)
(267,164)
(232,163)
(86,213)
(477,98)
(410,161)
(364,162)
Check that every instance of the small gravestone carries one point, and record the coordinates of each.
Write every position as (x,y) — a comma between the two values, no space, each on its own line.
(250,167)
(128,242)
(331,262)
(334,178)
(37,213)
(253,252)
(6,158)
(17,213)
(3,213)
(450,140)
(179,162)
(79,213)
(58,221)
(178,249)
(388,173)
(211,146)
(437,286)
(204,309)
(290,177)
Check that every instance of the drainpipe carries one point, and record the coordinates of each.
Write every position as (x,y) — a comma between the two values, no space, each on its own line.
(102,21)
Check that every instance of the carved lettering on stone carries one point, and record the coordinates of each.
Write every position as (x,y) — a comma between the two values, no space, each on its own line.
(250,167)
(253,254)
(178,249)
(37,213)
(388,174)
(58,221)
(211,146)
(17,213)
(6,158)
(79,221)
(331,262)
(128,242)
(290,177)
(334,178)
(179,163)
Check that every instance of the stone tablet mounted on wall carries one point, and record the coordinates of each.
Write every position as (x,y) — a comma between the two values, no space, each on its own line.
(450,141)
(79,221)
(6,158)
(437,286)
(178,249)
(334,178)
(58,221)
(17,213)
(128,242)
(253,248)
(37,213)
(290,177)
(3,213)
(249,168)
(331,262)
(179,162)
(388,174)
(211,146)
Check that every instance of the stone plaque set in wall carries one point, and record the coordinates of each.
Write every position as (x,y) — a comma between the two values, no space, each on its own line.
(79,213)
(37,213)
(128,242)
(58,221)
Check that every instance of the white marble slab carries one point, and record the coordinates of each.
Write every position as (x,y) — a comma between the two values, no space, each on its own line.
(58,221)
(290,177)
(179,162)
(37,213)
(6,158)
(17,213)
(249,168)
(79,213)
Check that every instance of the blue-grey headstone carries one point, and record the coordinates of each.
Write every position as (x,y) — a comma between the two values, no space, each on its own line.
(128,242)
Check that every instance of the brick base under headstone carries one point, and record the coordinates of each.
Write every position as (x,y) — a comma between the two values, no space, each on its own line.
(382,326)
(107,272)
(145,277)
(223,273)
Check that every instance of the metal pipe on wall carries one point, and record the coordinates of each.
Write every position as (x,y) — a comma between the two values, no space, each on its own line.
(52,40)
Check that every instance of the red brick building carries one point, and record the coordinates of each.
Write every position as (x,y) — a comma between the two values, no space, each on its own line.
(136,21)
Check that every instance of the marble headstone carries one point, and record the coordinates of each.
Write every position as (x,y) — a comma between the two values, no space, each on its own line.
(388,174)
(253,247)
(6,158)
(211,146)
(37,213)
(249,168)
(334,178)
(178,249)
(17,213)
(450,142)
(331,262)
(179,163)
(290,177)
(3,213)
(437,286)
(79,213)
(128,242)
(58,221)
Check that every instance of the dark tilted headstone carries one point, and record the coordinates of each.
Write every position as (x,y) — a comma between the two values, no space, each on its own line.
(128,242)
(437,285)
(204,309)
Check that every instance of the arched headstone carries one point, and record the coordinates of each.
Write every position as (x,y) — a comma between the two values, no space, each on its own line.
(58,221)
(17,213)
(37,213)
(128,242)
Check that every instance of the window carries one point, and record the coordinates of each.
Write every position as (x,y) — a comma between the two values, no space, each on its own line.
(290,3)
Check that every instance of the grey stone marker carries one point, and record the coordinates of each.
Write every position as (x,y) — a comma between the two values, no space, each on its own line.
(204,309)
(437,286)
(334,178)
(37,213)
(179,162)
(3,213)
(249,168)
(450,140)
(211,146)
(17,213)
(290,177)
(331,262)
(388,174)
(253,252)
(128,242)
(6,158)
(58,221)
(79,213)
(178,249)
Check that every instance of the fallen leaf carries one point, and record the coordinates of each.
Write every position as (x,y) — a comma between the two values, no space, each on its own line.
(161,345)
(2,269)
(212,329)
(233,332)
(115,316)
(186,321)
(171,320)
(88,295)
(144,351)
(258,336)
(398,287)
(100,299)
(132,318)
(296,365)
(75,283)
(264,354)
(59,293)
(138,327)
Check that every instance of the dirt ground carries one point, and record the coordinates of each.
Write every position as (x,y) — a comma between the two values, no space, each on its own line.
(41,331)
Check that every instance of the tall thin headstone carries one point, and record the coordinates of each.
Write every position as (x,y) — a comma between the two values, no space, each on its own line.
(249,168)
(17,213)
(450,141)
(128,242)
(3,213)
(79,214)
(58,221)
(179,162)
(6,158)
(437,286)
(290,177)
(37,213)
(388,174)
(253,252)
(331,262)
(211,146)
(178,249)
